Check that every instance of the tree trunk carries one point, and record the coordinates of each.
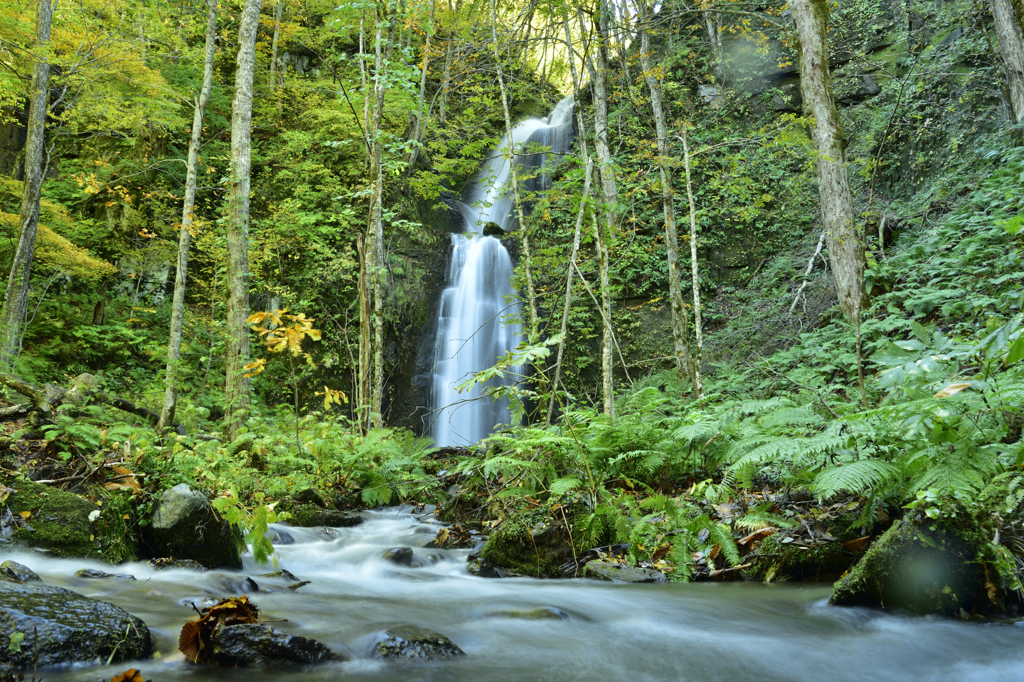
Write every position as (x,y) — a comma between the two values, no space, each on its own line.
(1011,47)
(568,285)
(16,299)
(375,238)
(446,76)
(417,131)
(680,337)
(599,77)
(185,236)
(844,241)
(712,22)
(607,362)
(278,15)
(236,389)
(514,175)
(363,381)
(698,385)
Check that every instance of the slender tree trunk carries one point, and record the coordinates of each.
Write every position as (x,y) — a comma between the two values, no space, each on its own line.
(514,173)
(712,22)
(680,337)
(236,389)
(363,380)
(599,78)
(1011,47)
(698,385)
(417,132)
(278,15)
(15,307)
(843,239)
(363,76)
(446,77)
(185,236)
(607,359)
(568,285)
(375,255)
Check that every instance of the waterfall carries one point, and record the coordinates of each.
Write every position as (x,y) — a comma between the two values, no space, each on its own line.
(472,331)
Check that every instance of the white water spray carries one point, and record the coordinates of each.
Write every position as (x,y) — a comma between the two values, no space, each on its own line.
(472,332)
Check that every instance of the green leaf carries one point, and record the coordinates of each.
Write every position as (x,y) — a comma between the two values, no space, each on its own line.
(1016,353)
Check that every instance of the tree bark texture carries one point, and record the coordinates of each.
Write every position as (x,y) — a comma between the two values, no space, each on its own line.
(185,236)
(844,241)
(698,385)
(680,337)
(363,381)
(375,239)
(1011,48)
(599,78)
(12,317)
(278,16)
(237,385)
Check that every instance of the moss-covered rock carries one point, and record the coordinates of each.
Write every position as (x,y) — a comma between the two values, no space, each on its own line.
(12,570)
(59,521)
(779,561)
(925,568)
(309,516)
(619,573)
(412,642)
(529,543)
(65,627)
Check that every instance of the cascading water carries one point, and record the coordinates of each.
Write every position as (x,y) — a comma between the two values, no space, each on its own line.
(471,331)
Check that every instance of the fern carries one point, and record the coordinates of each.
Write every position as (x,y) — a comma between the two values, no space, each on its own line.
(856,477)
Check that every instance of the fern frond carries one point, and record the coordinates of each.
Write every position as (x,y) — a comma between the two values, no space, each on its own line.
(855,477)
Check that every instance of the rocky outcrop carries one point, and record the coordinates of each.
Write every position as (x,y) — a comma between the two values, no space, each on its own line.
(257,645)
(412,642)
(185,527)
(621,573)
(530,545)
(925,568)
(101,575)
(62,626)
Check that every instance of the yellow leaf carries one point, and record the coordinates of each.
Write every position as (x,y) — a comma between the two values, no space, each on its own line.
(25,515)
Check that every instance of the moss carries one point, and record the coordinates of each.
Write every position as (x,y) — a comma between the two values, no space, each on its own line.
(309,516)
(924,568)
(530,543)
(59,520)
(792,562)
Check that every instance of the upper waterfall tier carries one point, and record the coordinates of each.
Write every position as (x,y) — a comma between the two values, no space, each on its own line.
(477,318)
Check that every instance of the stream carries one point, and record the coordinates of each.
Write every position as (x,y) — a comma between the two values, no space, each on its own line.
(598,630)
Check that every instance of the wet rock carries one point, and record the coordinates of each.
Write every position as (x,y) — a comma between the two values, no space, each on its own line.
(12,570)
(924,568)
(620,573)
(541,613)
(531,545)
(261,646)
(93,573)
(185,526)
(186,564)
(60,521)
(70,628)
(492,229)
(482,568)
(402,556)
(233,584)
(412,642)
(280,537)
(280,573)
(312,516)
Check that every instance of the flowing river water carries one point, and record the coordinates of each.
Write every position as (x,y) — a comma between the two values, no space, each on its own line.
(702,631)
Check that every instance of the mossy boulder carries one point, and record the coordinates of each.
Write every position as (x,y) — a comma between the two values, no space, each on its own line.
(620,573)
(925,567)
(311,516)
(260,646)
(412,642)
(780,561)
(530,543)
(185,527)
(59,522)
(65,627)
(12,570)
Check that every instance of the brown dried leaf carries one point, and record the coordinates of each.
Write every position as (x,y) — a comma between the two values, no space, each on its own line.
(189,642)
(130,675)
(760,534)
(857,545)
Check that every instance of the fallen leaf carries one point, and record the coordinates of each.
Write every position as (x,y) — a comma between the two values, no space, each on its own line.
(715,551)
(130,675)
(857,545)
(757,535)
(26,515)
